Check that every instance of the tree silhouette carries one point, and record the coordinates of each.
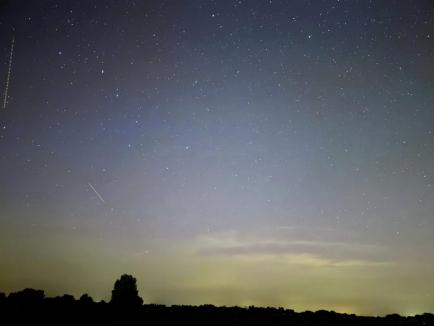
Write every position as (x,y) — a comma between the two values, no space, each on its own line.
(125,294)
(27,297)
(2,298)
(85,299)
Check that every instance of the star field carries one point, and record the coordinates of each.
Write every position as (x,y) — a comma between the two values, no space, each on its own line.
(228,152)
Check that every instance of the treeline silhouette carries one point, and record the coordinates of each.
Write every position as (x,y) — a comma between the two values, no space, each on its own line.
(30,306)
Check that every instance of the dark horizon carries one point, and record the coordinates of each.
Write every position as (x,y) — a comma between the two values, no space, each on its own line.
(233,152)
(88,299)
(126,299)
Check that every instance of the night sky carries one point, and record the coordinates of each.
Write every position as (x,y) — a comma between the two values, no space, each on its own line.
(270,153)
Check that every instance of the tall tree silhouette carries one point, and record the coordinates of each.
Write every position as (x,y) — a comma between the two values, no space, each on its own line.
(125,294)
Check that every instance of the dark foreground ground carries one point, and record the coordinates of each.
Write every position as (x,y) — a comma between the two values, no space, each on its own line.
(35,309)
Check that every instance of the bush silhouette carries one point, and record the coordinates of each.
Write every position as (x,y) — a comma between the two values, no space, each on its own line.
(85,299)
(125,294)
(2,298)
(27,297)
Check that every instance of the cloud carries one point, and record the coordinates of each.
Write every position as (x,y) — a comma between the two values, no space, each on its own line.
(232,244)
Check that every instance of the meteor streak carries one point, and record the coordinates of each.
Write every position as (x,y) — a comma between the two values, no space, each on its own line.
(5,99)
(96,192)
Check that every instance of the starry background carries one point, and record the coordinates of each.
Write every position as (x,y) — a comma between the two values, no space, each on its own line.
(274,153)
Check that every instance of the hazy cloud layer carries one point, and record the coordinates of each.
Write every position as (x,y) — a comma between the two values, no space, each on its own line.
(232,244)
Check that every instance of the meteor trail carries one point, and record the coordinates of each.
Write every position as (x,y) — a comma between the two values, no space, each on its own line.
(96,192)
(5,99)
